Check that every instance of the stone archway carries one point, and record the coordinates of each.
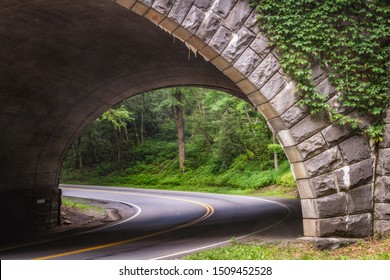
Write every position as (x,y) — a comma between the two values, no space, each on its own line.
(333,166)
(63,66)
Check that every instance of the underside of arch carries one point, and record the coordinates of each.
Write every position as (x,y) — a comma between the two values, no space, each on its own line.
(63,63)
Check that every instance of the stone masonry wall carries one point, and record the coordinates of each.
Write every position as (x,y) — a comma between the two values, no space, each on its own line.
(333,166)
(33,212)
(382,185)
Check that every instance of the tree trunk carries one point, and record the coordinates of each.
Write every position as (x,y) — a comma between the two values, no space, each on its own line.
(118,146)
(179,117)
(142,119)
(79,153)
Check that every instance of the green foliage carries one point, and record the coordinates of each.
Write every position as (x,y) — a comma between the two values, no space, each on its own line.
(287,179)
(228,146)
(118,117)
(375,133)
(349,38)
(275,148)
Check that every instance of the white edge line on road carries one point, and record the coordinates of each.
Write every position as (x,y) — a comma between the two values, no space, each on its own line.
(82,232)
(111,224)
(212,194)
(229,240)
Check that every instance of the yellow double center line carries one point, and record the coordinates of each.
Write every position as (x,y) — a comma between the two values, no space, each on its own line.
(209,212)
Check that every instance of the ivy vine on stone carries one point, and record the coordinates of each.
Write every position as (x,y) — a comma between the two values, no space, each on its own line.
(349,38)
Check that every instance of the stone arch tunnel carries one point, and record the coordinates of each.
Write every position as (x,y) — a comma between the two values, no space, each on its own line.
(63,63)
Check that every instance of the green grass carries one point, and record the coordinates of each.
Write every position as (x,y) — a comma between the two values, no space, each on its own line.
(82,204)
(232,181)
(365,250)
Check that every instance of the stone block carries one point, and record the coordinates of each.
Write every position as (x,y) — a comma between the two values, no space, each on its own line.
(180,10)
(325,207)
(312,146)
(246,87)
(257,98)
(360,200)
(285,138)
(364,120)
(221,63)
(382,189)
(331,243)
(310,227)
(346,226)
(182,34)
(386,138)
(208,53)
(382,211)
(293,154)
(294,115)
(209,26)
(223,7)
(359,225)
(154,16)
(193,19)
(234,74)
(381,228)
(238,15)
(324,162)
(355,175)
(326,89)
(309,126)
(267,110)
(305,189)
(261,45)
(318,73)
(355,149)
(332,227)
(323,185)
(203,4)
(221,39)
(146,2)
(387,116)
(168,25)
(267,68)
(285,99)
(195,43)
(299,170)
(248,62)
(383,167)
(238,44)
(335,133)
(338,105)
(163,6)
(140,8)
(252,24)
(274,86)
(277,124)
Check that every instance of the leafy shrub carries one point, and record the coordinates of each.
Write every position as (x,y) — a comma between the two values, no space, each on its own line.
(287,179)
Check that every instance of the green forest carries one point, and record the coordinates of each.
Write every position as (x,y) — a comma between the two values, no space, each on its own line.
(181,139)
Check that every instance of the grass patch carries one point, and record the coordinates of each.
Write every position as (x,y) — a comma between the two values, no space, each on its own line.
(83,205)
(364,250)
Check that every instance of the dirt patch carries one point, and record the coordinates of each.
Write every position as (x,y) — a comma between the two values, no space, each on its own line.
(82,215)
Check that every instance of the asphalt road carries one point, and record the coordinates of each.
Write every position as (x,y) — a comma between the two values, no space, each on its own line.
(162,225)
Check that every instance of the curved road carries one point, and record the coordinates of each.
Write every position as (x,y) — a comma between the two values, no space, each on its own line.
(163,225)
